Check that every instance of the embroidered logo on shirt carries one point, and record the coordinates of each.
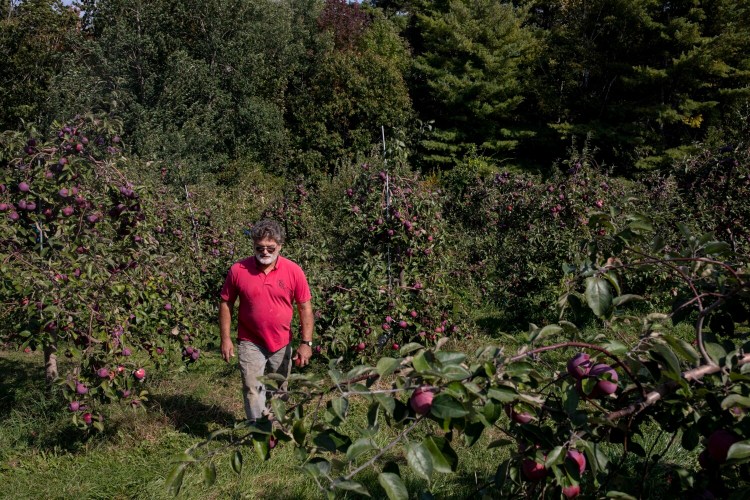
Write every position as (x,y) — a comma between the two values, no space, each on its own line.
(282,285)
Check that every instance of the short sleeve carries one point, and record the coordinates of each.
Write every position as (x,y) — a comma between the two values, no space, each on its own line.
(229,290)
(302,289)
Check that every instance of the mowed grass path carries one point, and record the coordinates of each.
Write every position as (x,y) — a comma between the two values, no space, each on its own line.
(43,456)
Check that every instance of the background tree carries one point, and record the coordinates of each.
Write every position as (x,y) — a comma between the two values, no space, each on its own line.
(37,39)
(471,61)
(352,84)
(646,79)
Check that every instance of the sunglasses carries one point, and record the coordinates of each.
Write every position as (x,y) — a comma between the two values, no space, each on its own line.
(260,249)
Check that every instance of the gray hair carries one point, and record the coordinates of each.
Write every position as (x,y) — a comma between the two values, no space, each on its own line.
(268,228)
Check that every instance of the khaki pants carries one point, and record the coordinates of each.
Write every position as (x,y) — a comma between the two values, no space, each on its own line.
(256,361)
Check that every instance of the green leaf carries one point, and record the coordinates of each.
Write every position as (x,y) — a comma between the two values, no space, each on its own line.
(386,366)
(421,362)
(209,474)
(420,460)
(237,461)
(664,354)
(554,457)
(444,459)
(388,403)
(317,467)
(261,448)
(735,400)
(360,446)
(624,299)
(598,296)
(716,351)
(393,485)
(174,479)
(620,495)
(349,485)
(615,347)
(717,248)
(410,347)
(503,394)
(739,452)
(444,406)
(340,407)
(299,432)
(545,332)
(519,368)
(358,371)
(450,358)
(454,372)
(595,457)
(684,349)
(279,408)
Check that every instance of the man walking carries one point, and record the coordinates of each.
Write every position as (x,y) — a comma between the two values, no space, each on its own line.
(267,285)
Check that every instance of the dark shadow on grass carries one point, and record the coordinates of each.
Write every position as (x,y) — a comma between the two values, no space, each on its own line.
(23,389)
(18,379)
(190,415)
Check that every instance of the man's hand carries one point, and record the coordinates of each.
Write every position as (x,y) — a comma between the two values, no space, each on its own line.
(227,350)
(302,357)
(225,322)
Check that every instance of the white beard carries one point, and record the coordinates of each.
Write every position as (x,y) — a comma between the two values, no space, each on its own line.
(266,259)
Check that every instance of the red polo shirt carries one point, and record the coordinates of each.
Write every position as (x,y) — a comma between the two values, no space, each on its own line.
(265,311)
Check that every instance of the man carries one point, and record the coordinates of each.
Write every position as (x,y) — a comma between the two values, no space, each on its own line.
(267,286)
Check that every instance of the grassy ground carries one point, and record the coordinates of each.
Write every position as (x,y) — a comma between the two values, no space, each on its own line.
(43,456)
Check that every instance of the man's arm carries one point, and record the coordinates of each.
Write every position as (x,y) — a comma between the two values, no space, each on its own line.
(306,321)
(225,326)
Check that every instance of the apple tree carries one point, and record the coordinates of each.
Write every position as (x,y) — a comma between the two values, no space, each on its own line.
(84,270)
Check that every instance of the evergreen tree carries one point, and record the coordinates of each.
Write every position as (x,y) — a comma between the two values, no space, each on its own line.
(37,38)
(645,78)
(473,58)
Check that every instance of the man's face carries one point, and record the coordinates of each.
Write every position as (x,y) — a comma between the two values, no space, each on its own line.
(267,251)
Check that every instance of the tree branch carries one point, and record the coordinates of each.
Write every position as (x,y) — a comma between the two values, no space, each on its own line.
(667,387)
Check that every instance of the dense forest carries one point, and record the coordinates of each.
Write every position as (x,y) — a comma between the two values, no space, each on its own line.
(300,87)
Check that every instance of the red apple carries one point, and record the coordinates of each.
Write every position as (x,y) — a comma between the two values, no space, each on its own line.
(533,470)
(421,400)
(81,388)
(361,346)
(519,418)
(102,373)
(719,443)
(403,324)
(74,406)
(139,374)
(395,346)
(579,458)
(603,387)
(571,491)
(272,441)
(87,418)
(579,365)
(23,187)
